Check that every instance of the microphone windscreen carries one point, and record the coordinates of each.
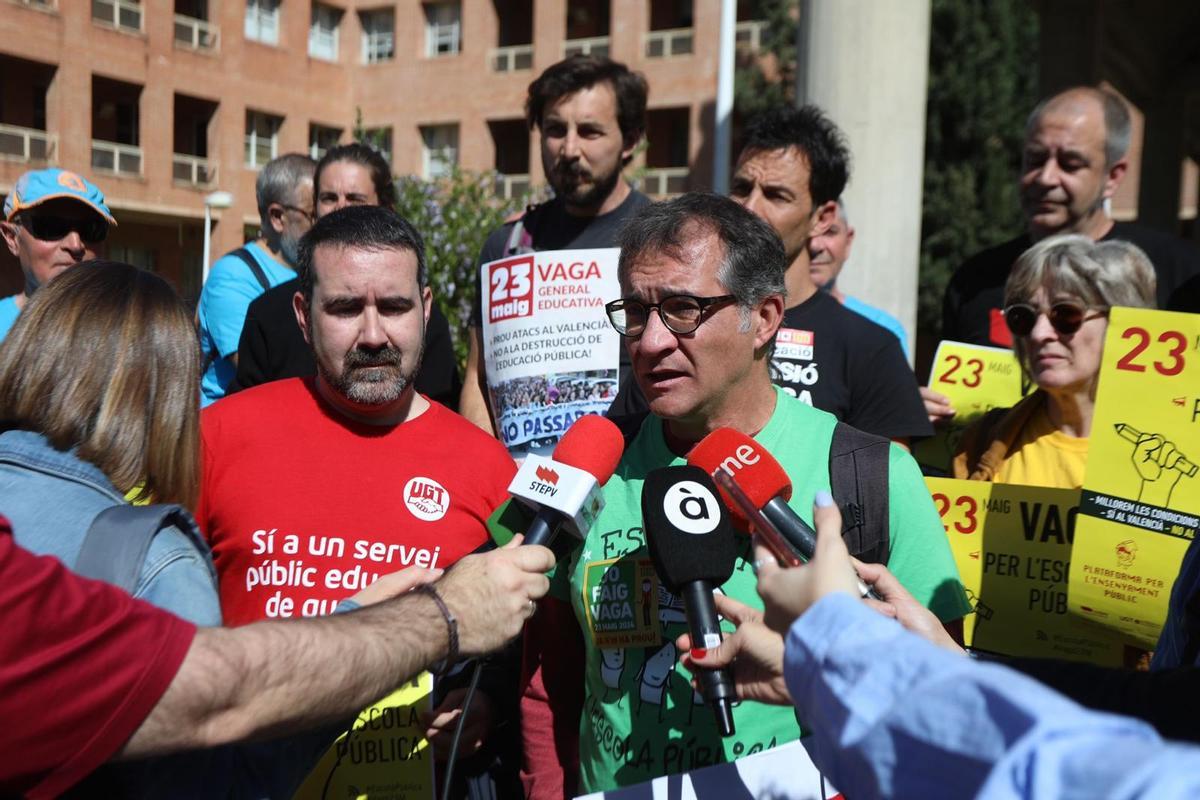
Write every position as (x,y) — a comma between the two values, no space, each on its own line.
(757,472)
(687,528)
(593,444)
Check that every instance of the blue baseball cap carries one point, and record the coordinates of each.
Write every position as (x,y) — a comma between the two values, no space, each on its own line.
(37,186)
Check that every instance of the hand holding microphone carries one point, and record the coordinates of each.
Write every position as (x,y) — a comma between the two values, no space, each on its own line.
(694,552)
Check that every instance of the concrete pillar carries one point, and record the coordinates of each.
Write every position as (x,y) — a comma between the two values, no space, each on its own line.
(866,64)
(1162,162)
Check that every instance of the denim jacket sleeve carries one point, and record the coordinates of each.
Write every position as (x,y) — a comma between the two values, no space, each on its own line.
(178,576)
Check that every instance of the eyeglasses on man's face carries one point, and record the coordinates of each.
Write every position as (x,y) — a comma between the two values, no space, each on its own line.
(1065,317)
(680,313)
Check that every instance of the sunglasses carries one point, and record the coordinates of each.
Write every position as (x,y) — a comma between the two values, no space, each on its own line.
(1066,318)
(49,228)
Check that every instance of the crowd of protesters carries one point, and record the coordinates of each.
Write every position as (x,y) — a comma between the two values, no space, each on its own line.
(199,602)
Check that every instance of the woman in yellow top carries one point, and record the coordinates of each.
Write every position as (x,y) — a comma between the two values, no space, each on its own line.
(1056,304)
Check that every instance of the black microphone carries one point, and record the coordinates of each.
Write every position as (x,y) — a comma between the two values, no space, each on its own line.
(692,546)
(564,491)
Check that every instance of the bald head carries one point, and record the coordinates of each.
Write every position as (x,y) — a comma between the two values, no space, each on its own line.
(1099,107)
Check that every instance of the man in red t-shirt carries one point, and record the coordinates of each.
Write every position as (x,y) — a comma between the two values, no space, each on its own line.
(88,673)
(312,488)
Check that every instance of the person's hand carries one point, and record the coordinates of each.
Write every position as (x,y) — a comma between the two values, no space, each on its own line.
(788,593)
(440,723)
(492,594)
(754,652)
(938,407)
(899,603)
(395,584)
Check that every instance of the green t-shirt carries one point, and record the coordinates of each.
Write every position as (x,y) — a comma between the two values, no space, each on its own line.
(641,718)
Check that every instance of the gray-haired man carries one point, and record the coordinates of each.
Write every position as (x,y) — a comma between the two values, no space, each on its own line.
(284,191)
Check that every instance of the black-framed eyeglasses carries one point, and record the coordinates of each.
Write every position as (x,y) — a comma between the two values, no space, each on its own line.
(304,212)
(50,228)
(681,313)
(1065,317)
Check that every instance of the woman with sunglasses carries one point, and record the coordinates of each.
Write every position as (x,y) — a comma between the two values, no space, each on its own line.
(1056,302)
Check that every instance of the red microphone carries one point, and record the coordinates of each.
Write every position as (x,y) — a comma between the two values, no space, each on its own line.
(565,490)
(763,480)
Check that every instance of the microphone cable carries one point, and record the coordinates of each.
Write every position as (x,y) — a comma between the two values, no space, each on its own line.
(448,775)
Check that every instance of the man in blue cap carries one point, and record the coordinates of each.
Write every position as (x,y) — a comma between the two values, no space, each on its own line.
(53,219)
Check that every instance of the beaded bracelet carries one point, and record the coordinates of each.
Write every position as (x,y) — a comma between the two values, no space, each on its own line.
(451,630)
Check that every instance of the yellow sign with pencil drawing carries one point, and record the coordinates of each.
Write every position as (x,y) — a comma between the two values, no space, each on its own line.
(385,755)
(1140,506)
(975,379)
(1012,545)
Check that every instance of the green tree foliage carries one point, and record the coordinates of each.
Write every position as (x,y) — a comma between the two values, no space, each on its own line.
(982,86)
(756,89)
(455,215)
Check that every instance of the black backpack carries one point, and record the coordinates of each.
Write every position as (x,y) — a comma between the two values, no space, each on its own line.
(858,477)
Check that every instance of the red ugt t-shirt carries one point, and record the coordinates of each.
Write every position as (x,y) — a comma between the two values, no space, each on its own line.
(304,507)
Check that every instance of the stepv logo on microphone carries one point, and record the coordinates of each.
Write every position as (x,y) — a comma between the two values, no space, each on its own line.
(426,499)
(545,481)
(691,508)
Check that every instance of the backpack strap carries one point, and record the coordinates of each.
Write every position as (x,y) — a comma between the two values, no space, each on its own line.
(858,475)
(520,239)
(115,546)
(250,262)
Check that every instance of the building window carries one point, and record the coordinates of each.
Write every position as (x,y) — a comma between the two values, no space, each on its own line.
(320,139)
(323,32)
(262,137)
(378,35)
(443,29)
(262,21)
(141,257)
(125,15)
(439,150)
(381,140)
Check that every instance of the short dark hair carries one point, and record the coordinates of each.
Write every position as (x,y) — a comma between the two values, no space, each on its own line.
(581,72)
(812,133)
(367,156)
(753,264)
(360,227)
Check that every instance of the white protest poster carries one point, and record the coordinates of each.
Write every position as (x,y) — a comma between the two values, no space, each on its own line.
(550,352)
(781,773)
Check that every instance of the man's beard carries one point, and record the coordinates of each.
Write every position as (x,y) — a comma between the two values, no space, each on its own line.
(383,385)
(565,181)
(289,248)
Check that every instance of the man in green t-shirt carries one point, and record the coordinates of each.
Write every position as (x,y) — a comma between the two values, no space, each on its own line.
(702,285)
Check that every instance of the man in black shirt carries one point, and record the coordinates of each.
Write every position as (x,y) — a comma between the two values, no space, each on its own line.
(1073,161)
(791,171)
(1074,158)
(590,113)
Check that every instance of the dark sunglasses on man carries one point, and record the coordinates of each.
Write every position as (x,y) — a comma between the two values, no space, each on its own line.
(50,228)
(1065,317)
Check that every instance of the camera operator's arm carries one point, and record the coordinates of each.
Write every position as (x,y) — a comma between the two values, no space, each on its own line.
(274,677)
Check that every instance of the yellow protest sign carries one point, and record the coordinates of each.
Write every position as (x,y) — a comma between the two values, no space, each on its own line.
(975,379)
(384,757)
(1012,545)
(1140,506)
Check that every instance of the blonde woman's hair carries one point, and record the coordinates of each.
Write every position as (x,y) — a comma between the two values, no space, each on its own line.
(1099,274)
(104,360)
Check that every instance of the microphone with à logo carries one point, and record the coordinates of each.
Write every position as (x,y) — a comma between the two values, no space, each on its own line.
(693,549)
